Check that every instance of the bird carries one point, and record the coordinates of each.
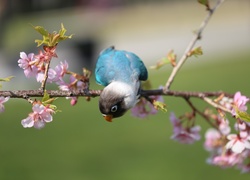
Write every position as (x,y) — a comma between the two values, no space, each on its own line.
(121,73)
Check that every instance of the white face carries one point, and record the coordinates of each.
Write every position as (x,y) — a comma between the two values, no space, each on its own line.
(125,90)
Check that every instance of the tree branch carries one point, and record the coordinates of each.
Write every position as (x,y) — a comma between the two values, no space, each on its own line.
(196,37)
(95,93)
(52,93)
(185,94)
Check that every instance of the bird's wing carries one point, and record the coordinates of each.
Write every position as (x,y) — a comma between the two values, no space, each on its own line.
(117,65)
(104,72)
(137,65)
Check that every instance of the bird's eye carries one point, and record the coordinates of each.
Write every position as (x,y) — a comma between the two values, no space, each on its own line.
(114,108)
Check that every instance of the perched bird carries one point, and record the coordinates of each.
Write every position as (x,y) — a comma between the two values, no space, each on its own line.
(120,72)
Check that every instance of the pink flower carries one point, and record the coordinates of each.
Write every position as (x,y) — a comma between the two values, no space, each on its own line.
(224,126)
(240,126)
(35,66)
(61,70)
(227,160)
(144,108)
(73,85)
(3,100)
(187,136)
(39,117)
(57,74)
(27,63)
(238,143)
(183,135)
(240,103)
(73,101)
(175,121)
(40,77)
(212,139)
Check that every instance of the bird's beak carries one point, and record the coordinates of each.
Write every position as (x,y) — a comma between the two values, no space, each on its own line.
(108,117)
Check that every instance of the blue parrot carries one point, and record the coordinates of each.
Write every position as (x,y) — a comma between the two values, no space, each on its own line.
(120,72)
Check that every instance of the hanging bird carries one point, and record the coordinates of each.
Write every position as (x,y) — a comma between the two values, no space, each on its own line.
(120,72)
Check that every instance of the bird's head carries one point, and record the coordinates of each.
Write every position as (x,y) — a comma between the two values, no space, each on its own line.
(116,99)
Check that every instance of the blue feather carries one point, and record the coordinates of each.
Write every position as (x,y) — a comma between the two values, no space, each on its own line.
(119,65)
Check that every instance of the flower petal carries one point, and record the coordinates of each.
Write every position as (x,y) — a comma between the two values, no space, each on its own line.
(47,117)
(39,124)
(23,55)
(238,147)
(28,122)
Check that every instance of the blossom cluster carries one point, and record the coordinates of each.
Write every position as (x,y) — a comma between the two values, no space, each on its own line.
(226,148)
(186,133)
(34,66)
(144,108)
(37,66)
(230,148)
(39,117)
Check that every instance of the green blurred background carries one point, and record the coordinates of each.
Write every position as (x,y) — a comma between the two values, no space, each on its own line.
(79,144)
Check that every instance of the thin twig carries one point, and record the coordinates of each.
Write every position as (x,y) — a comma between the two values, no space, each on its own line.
(190,46)
(214,104)
(45,76)
(200,113)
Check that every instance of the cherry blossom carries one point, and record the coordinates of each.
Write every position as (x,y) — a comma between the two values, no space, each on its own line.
(73,85)
(73,101)
(224,126)
(56,74)
(144,108)
(185,135)
(212,140)
(227,159)
(175,121)
(61,69)
(238,143)
(34,65)
(241,126)
(27,63)
(39,117)
(240,102)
